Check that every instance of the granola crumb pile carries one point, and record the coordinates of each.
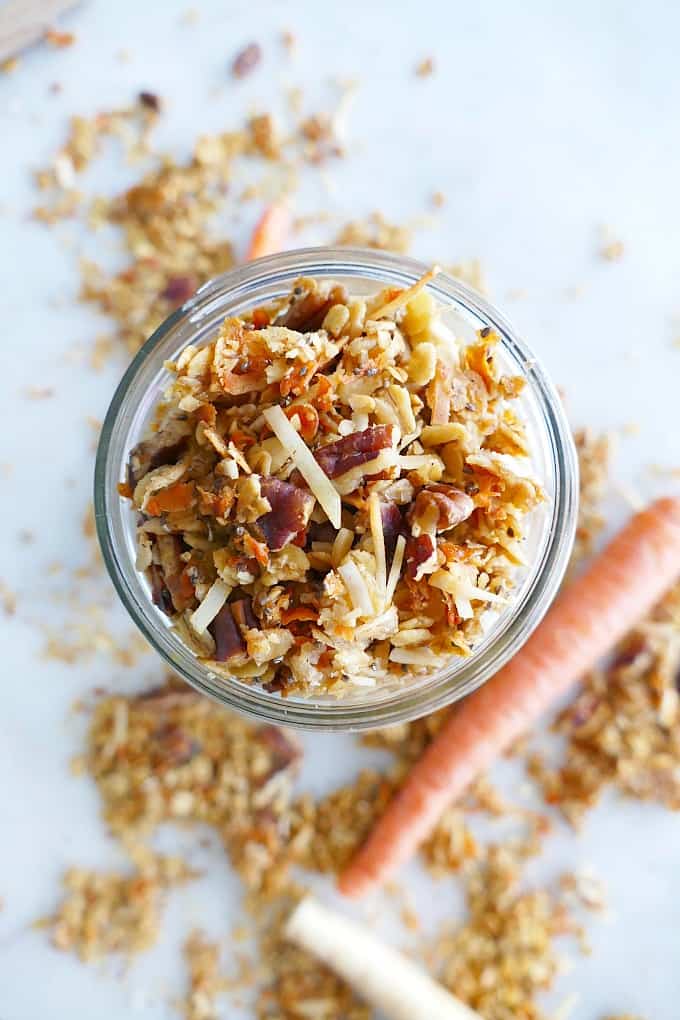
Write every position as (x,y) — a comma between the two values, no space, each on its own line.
(622,727)
(108,912)
(168,219)
(504,955)
(594,456)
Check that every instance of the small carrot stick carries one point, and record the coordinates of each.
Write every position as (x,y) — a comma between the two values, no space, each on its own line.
(270,233)
(382,976)
(586,620)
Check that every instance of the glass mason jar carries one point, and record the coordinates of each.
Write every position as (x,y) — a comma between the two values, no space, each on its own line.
(550,531)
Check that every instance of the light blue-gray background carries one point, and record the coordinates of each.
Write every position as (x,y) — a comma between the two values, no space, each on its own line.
(541,123)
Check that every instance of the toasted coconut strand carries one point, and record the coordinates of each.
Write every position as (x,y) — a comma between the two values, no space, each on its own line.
(395,569)
(341,546)
(382,976)
(406,295)
(449,432)
(318,481)
(215,597)
(413,656)
(375,519)
(356,586)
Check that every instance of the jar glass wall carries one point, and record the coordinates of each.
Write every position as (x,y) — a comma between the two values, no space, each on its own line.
(550,530)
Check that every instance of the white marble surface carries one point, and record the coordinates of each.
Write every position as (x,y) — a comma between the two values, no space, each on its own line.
(540,123)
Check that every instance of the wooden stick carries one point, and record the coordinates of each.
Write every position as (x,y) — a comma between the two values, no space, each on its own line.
(23,22)
(381,975)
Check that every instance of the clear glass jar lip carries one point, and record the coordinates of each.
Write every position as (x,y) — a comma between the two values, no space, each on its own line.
(408,702)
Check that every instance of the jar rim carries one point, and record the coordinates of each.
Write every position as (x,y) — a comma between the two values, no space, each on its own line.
(411,700)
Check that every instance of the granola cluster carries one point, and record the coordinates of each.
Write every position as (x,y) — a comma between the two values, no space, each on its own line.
(335,491)
(622,728)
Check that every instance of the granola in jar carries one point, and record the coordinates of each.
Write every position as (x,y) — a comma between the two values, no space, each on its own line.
(334,492)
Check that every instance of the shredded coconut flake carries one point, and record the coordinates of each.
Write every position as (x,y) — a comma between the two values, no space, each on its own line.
(316,478)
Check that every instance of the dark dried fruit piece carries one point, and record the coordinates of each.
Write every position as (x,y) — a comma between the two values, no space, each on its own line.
(289,515)
(353,450)
(179,289)
(393,526)
(175,745)
(418,552)
(229,641)
(165,447)
(308,306)
(246,61)
(283,746)
(281,680)
(151,101)
(159,593)
(172,568)
(242,611)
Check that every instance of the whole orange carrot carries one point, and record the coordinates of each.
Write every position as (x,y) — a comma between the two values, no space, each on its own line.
(270,233)
(586,620)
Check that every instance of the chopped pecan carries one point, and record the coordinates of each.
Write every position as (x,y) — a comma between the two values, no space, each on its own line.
(174,575)
(308,306)
(353,450)
(165,447)
(289,515)
(420,554)
(445,505)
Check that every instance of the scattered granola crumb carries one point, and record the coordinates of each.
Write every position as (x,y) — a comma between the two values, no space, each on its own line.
(611,248)
(104,913)
(60,40)
(246,61)
(8,600)
(594,456)
(288,41)
(375,232)
(470,271)
(202,958)
(438,199)
(425,67)
(622,1016)
(39,392)
(9,65)
(151,101)
(664,471)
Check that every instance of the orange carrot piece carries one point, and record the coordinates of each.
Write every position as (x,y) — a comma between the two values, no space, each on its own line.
(587,619)
(270,233)
(300,613)
(176,497)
